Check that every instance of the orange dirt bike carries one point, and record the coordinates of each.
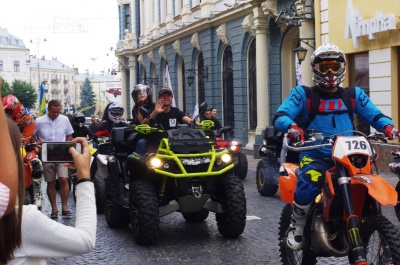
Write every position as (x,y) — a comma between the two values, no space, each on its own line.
(346,218)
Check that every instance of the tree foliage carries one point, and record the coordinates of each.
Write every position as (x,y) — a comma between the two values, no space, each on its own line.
(5,89)
(25,93)
(88,102)
(22,90)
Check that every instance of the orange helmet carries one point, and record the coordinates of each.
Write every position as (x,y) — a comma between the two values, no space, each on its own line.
(12,106)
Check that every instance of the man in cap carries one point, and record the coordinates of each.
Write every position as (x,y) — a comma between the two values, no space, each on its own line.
(165,114)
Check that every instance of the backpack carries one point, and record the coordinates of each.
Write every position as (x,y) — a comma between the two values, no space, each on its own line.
(313,93)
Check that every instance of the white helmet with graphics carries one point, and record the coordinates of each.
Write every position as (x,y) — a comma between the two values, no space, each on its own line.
(328,65)
(115,112)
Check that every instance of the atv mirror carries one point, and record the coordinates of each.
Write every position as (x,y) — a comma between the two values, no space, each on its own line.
(145,112)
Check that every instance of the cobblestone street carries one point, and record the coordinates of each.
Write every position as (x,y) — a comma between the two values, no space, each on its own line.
(199,243)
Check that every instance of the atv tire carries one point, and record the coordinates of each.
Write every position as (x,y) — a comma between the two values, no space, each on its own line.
(100,193)
(232,221)
(196,217)
(241,167)
(116,215)
(144,214)
(267,175)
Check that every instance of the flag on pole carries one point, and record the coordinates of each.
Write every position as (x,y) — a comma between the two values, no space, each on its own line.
(42,101)
(196,111)
(299,77)
(168,84)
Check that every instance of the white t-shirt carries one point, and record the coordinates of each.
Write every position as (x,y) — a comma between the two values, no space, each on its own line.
(4,198)
(44,238)
(48,130)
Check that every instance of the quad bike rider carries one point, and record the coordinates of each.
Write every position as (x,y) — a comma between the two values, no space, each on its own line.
(29,150)
(224,139)
(184,173)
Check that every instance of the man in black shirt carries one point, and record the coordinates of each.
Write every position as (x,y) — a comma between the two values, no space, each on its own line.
(165,114)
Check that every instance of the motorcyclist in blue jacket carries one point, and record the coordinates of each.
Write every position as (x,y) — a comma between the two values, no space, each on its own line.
(328,65)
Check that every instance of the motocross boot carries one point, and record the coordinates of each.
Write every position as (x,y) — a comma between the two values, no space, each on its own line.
(296,228)
(37,193)
(37,182)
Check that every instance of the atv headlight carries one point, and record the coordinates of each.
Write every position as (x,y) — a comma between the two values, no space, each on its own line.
(155,162)
(226,158)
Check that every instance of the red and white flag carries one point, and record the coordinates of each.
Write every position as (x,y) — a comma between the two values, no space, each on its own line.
(168,84)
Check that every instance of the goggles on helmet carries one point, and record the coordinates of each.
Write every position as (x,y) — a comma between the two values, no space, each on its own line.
(325,66)
(117,111)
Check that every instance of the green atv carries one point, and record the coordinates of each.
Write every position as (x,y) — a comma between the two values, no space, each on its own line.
(184,173)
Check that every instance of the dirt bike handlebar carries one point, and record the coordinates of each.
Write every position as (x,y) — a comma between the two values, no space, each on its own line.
(327,142)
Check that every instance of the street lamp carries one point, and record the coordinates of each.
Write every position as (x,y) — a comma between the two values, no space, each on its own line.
(38,57)
(201,73)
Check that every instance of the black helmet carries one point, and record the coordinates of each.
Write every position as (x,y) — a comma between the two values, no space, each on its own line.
(144,90)
(79,119)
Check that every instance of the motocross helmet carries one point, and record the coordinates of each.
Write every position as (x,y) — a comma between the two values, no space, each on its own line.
(115,112)
(144,90)
(12,106)
(328,65)
(79,119)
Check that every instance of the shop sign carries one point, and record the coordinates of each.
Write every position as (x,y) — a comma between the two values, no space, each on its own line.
(357,27)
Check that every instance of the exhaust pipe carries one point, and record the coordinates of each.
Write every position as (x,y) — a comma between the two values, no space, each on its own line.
(321,238)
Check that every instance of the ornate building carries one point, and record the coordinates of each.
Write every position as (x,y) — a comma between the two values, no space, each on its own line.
(237,55)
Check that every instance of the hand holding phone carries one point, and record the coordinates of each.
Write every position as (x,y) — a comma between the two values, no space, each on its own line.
(58,152)
(81,158)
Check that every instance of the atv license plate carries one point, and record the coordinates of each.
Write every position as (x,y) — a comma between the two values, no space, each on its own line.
(195,161)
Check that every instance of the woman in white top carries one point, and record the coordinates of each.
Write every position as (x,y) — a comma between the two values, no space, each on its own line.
(44,238)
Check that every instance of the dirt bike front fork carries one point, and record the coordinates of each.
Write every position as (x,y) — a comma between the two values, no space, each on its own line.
(353,227)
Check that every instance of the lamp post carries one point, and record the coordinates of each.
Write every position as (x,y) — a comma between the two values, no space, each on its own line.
(38,56)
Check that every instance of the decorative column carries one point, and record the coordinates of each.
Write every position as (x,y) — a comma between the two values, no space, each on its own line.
(155,31)
(121,61)
(261,26)
(186,19)
(132,78)
(169,19)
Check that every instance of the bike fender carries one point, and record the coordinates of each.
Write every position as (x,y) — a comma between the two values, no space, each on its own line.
(378,188)
(287,184)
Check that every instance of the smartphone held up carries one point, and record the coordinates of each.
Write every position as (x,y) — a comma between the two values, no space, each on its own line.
(58,152)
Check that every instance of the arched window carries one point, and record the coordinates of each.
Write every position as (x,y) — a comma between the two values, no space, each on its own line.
(200,67)
(227,87)
(252,74)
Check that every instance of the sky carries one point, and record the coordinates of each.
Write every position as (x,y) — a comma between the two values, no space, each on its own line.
(76,31)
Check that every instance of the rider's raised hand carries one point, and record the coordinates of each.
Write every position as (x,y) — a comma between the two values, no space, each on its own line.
(295,133)
(391,132)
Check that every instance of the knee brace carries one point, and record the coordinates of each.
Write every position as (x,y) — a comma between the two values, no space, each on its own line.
(305,192)
(36,168)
